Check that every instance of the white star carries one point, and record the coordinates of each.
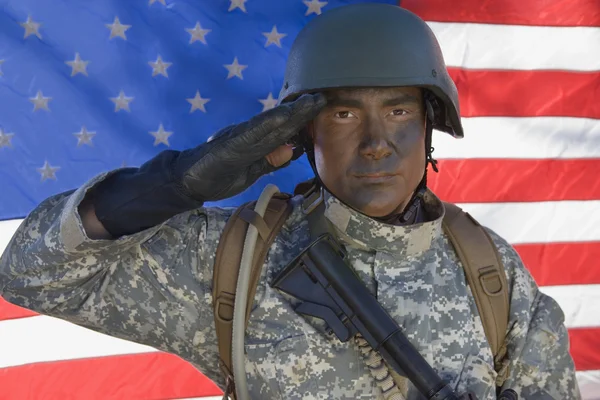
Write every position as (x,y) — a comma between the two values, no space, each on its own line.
(121,102)
(117,29)
(1,62)
(235,69)
(78,65)
(274,37)
(40,102)
(269,102)
(197,33)
(198,102)
(160,67)
(161,136)
(237,4)
(84,137)
(314,6)
(47,171)
(160,1)
(31,28)
(5,139)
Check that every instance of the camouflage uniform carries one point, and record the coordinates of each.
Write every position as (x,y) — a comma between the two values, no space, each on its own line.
(155,288)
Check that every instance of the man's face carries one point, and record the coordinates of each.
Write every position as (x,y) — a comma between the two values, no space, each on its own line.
(370,147)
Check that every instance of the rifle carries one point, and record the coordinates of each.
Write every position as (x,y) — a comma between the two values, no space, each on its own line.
(330,290)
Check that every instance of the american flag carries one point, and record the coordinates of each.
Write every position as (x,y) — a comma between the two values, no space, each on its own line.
(89,86)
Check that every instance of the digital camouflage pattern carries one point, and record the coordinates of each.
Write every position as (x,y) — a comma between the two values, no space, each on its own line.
(155,288)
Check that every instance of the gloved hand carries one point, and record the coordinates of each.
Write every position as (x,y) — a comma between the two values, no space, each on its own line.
(133,199)
(235,157)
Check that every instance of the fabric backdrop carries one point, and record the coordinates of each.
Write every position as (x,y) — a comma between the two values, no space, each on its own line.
(88,86)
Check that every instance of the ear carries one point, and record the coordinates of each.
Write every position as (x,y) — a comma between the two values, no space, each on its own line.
(310,130)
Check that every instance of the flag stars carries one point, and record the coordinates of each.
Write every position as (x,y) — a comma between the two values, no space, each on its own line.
(241,4)
(48,171)
(161,136)
(160,67)
(198,103)
(235,69)
(274,37)
(84,137)
(117,29)
(5,139)
(122,102)
(197,33)
(31,28)
(78,66)
(268,103)
(40,102)
(314,6)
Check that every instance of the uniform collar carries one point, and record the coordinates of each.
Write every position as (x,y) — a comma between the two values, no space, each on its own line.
(359,230)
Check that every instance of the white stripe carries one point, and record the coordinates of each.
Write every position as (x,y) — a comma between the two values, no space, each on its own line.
(540,222)
(42,338)
(7,230)
(580,303)
(491,46)
(589,384)
(522,138)
(534,222)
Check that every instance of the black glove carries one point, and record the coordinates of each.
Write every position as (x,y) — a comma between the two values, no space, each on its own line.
(134,199)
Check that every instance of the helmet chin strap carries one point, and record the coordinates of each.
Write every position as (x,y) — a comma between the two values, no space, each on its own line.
(414,204)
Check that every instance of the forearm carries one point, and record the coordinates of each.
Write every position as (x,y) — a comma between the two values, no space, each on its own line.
(92,226)
(51,254)
(131,200)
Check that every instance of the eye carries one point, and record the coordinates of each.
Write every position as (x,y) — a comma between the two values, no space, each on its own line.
(344,114)
(399,112)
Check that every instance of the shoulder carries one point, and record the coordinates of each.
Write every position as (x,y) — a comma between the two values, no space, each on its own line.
(527,302)
(519,279)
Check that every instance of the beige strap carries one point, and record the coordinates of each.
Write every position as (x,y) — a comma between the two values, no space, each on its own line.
(226,269)
(252,217)
(484,272)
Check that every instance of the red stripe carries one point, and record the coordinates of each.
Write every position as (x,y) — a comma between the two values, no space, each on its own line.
(162,376)
(10,311)
(516,93)
(513,12)
(550,264)
(504,180)
(562,263)
(128,377)
(585,343)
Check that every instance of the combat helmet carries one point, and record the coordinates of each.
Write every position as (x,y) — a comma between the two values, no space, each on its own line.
(372,45)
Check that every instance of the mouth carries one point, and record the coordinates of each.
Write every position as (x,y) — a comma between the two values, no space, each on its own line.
(376,177)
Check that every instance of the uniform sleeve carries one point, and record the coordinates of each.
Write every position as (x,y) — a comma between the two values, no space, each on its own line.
(538,363)
(153,287)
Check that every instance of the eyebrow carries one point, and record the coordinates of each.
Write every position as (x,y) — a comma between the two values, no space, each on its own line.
(349,102)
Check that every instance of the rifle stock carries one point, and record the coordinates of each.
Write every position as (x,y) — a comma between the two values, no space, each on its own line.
(330,290)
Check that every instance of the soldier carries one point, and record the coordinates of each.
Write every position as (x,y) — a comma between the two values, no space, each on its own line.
(131,252)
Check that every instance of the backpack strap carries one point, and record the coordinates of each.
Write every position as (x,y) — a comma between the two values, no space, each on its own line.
(484,272)
(226,269)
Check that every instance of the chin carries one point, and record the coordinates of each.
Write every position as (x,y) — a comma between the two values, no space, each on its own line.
(376,212)
(375,207)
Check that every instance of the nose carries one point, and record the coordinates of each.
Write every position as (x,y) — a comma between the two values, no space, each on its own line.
(375,144)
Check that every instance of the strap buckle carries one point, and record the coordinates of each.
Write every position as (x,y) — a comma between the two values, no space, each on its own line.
(229,388)
(312,198)
(491,281)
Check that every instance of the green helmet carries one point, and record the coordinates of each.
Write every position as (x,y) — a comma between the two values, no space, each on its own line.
(372,45)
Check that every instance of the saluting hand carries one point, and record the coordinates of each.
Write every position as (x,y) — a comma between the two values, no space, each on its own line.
(236,156)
